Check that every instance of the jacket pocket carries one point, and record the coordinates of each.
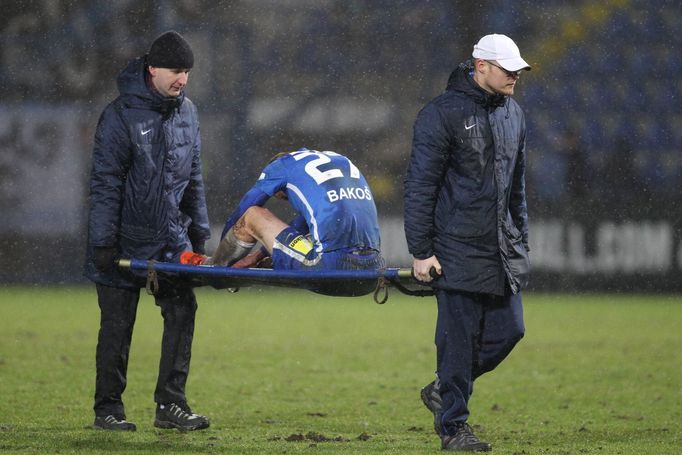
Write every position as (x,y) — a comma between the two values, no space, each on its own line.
(469,223)
(139,242)
(518,261)
(139,233)
(463,226)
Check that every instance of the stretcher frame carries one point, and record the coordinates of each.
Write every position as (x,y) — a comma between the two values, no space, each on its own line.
(231,278)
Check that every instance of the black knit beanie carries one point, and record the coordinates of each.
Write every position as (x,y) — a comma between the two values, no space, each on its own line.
(170,50)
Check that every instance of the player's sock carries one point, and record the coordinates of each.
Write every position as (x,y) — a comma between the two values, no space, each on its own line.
(230,250)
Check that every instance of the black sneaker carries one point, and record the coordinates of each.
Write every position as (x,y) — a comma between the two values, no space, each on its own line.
(113,423)
(464,439)
(173,416)
(431,399)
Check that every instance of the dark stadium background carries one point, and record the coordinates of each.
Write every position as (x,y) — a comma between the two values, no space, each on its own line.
(602,105)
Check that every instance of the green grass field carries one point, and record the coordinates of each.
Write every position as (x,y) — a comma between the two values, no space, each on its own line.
(280,371)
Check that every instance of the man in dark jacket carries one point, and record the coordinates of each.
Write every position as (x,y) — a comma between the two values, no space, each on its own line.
(466,223)
(146,201)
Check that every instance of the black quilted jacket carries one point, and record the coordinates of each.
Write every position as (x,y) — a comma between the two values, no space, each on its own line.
(465,198)
(146,190)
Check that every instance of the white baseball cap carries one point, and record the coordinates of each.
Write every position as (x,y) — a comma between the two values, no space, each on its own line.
(503,50)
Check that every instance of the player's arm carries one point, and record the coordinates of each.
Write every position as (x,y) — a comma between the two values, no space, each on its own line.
(254,196)
(271,181)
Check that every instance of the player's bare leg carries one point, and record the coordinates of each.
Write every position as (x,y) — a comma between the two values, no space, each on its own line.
(260,224)
(257,224)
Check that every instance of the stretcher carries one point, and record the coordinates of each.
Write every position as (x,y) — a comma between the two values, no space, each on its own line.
(376,282)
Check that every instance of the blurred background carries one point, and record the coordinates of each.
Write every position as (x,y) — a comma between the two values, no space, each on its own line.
(602,105)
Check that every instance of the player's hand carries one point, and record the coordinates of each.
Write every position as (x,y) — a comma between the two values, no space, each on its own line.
(252,259)
(421,268)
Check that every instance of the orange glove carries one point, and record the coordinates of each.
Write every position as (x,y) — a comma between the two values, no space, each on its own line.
(192,258)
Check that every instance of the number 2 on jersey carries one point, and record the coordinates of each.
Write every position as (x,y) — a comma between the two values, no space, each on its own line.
(312,167)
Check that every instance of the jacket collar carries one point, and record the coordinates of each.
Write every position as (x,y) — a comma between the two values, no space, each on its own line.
(131,81)
(462,80)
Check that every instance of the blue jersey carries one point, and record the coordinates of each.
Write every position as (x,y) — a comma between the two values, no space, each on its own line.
(328,191)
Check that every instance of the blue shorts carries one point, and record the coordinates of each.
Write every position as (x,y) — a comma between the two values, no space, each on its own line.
(295,251)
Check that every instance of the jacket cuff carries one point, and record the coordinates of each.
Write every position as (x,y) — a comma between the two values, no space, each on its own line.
(423,255)
(422,249)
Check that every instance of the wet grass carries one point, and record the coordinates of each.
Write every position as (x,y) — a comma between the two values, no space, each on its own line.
(280,371)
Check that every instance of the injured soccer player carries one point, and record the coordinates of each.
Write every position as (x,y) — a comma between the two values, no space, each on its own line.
(336,227)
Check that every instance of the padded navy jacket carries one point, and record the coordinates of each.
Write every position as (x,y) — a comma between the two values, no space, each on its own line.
(146,190)
(465,198)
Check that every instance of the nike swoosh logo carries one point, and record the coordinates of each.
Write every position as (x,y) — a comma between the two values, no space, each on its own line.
(145,132)
(469,127)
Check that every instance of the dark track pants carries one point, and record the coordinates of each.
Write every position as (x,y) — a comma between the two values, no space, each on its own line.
(474,333)
(118,308)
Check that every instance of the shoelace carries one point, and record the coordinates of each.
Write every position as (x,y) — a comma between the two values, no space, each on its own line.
(111,420)
(466,434)
(180,413)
